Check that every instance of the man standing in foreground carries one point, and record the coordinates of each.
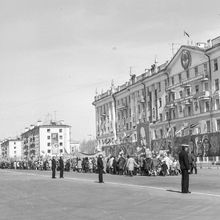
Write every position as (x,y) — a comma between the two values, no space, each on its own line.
(54,164)
(61,167)
(100,168)
(184,166)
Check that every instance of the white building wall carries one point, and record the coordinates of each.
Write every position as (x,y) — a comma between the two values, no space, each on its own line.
(14,149)
(63,140)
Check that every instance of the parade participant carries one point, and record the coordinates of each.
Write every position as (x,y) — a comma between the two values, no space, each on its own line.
(194,165)
(184,166)
(130,165)
(121,164)
(61,167)
(54,164)
(190,158)
(100,168)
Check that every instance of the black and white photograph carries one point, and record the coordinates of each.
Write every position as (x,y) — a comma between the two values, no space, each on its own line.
(109,109)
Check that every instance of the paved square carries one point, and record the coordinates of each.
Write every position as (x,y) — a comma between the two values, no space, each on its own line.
(34,195)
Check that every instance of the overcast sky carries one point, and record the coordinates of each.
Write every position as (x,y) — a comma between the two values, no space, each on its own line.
(55,53)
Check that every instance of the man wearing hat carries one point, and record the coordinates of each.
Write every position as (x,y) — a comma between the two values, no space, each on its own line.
(184,166)
(100,168)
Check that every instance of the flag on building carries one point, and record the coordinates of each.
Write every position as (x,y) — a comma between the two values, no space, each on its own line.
(186,34)
(193,125)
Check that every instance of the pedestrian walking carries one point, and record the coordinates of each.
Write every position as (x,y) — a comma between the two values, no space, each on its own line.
(61,167)
(54,164)
(100,167)
(184,166)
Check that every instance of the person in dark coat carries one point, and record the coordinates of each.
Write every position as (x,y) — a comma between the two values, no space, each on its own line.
(184,166)
(54,164)
(61,167)
(100,167)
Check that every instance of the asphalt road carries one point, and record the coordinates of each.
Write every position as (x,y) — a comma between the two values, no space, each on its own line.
(34,195)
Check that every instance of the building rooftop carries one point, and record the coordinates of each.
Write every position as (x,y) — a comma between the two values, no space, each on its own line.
(155,69)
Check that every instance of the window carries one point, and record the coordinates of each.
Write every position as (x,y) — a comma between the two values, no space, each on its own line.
(139,109)
(172,80)
(166,98)
(217,104)
(61,137)
(197,88)
(205,68)
(196,106)
(188,91)
(174,130)
(208,126)
(48,137)
(174,114)
(181,94)
(187,74)
(165,81)
(180,77)
(196,70)
(61,144)
(180,109)
(173,96)
(130,125)
(48,130)
(167,116)
(61,150)
(127,126)
(48,151)
(161,117)
(161,133)
(159,86)
(206,86)
(129,98)
(218,124)
(160,102)
(207,106)
(217,84)
(48,144)
(118,116)
(14,152)
(215,64)
(14,148)
(189,111)
(60,130)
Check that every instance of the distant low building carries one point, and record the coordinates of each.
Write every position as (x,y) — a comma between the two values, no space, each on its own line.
(47,140)
(74,147)
(11,149)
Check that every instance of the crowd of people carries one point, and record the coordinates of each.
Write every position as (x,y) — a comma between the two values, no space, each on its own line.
(145,164)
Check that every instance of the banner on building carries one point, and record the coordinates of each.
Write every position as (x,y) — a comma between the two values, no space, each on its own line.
(54,143)
(143,135)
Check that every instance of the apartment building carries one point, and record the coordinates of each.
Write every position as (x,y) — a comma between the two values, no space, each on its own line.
(176,99)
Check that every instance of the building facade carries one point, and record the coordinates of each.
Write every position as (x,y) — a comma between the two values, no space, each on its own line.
(11,149)
(47,140)
(74,147)
(177,99)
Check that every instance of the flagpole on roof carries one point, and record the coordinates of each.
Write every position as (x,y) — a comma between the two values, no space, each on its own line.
(185,34)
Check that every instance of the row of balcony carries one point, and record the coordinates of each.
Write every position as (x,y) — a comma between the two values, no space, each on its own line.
(201,77)
(204,95)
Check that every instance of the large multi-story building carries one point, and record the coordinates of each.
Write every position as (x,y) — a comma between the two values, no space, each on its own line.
(52,139)
(177,99)
(11,149)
